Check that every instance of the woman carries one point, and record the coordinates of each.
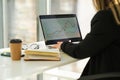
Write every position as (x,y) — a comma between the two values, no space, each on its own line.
(102,44)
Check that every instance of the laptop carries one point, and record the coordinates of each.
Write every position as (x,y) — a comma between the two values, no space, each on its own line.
(61,27)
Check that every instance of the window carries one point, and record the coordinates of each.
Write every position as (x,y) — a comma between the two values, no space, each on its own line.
(62,6)
(21,20)
(20,17)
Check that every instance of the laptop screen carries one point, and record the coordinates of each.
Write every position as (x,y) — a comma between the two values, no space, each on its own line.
(62,27)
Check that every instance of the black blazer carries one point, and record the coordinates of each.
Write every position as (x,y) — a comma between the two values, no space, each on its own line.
(102,45)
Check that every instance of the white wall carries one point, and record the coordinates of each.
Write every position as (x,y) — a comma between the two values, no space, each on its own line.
(85,12)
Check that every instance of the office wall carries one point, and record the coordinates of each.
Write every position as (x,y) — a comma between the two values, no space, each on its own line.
(85,12)
(1,24)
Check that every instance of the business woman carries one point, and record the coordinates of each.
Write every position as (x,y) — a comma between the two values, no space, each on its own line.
(102,44)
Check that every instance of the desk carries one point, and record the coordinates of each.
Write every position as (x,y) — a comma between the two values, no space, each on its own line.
(17,70)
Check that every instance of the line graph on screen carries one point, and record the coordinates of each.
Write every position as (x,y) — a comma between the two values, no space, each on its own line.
(65,28)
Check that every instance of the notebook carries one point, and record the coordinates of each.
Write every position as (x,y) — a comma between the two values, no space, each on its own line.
(42,55)
(61,27)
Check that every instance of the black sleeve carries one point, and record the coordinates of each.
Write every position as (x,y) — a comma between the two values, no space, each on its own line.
(101,36)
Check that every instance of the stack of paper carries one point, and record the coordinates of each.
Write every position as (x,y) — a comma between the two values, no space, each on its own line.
(46,55)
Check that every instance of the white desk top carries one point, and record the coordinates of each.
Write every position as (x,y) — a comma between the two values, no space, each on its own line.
(10,70)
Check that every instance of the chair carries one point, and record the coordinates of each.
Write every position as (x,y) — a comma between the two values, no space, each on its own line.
(108,76)
(75,76)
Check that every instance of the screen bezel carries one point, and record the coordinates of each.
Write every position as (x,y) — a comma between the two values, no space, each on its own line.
(54,41)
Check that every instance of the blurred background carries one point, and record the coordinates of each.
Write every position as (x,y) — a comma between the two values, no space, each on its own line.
(19,18)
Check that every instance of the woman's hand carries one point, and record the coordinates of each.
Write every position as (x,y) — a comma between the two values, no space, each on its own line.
(58,45)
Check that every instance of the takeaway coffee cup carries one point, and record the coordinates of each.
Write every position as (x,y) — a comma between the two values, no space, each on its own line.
(15,49)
